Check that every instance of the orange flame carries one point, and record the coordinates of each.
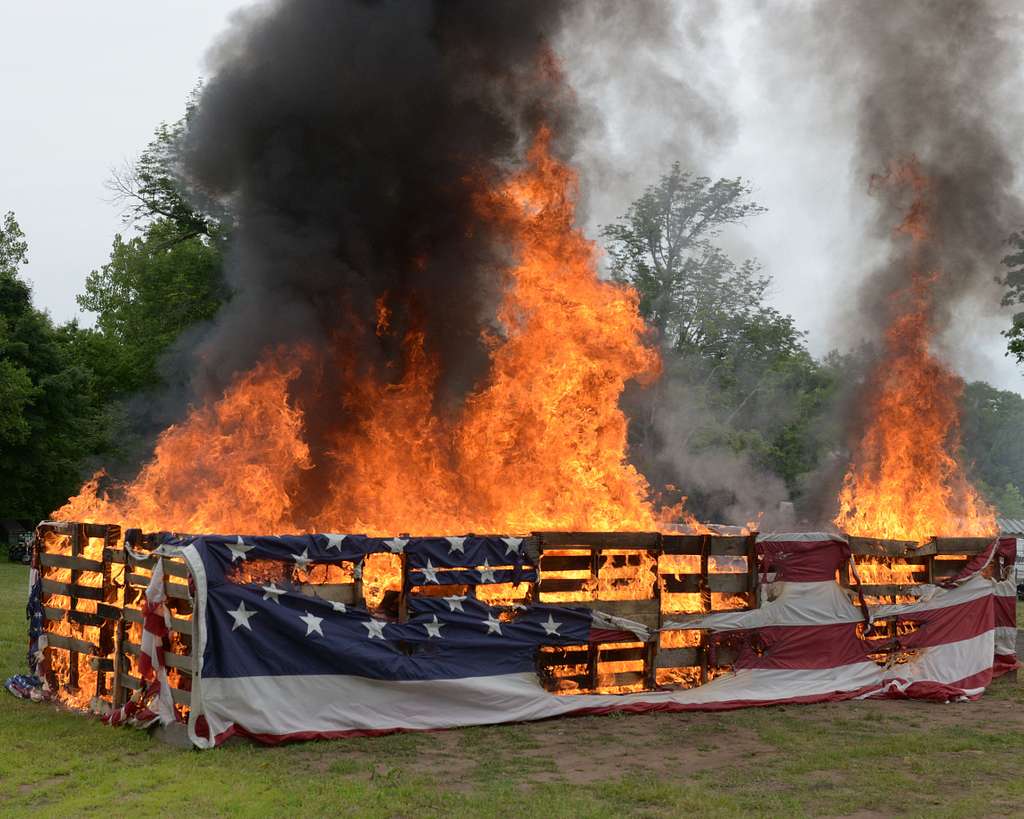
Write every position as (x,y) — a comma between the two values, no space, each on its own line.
(904,481)
(540,444)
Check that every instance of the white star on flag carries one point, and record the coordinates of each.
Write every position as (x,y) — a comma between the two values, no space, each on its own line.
(551,627)
(486,573)
(456,544)
(239,548)
(493,626)
(338,606)
(512,544)
(303,560)
(374,628)
(434,628)
(396,545)
(455,602)
(242,615)
(272,592)
(312,624)
(429,572)
(334,541)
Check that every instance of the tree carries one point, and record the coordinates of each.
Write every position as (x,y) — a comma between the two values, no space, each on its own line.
(993,444)
(161,281)
(153,188)
(154,286)
(690,291)
(1013,281)
(51,419)
(738,381)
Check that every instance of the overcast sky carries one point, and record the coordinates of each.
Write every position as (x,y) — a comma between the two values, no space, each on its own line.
(84,84)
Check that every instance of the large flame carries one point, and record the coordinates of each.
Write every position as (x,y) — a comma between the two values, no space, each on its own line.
(904,481)
(540,444)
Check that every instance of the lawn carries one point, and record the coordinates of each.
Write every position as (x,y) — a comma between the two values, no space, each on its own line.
(863,759)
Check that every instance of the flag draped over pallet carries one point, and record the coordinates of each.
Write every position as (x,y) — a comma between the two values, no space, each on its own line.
(274,663)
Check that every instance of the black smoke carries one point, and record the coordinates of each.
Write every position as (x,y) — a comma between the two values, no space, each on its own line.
(351,142)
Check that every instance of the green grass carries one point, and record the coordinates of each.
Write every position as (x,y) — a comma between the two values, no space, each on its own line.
(832,759)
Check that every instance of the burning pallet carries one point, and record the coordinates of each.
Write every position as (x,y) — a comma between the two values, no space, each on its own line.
(93,587)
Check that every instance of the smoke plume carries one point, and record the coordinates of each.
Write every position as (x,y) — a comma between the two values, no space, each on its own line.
(929,85)
(350,139)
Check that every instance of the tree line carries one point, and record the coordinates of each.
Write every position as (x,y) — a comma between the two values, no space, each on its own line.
(740,390)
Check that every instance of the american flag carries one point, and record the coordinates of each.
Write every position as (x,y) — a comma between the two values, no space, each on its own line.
(274,663)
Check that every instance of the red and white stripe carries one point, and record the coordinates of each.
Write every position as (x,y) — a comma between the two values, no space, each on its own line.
(802,646)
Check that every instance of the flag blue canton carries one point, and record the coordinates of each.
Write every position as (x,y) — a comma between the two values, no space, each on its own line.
(273,629)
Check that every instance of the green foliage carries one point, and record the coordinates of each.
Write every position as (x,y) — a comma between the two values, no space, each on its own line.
(154,286)
(749,384)
(161,281)
(993,444)
(697,298)
(1013,281)
(50,415)
(152,188)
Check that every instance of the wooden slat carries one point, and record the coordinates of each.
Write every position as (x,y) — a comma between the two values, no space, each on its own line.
(726,583)
(677,657)
(177,695)
(114,555)
(531,547)
(727,545)
(82,618)
(101,664)
(565,563)
(621,678)
(961,545)
(171,660)
(177,623)
(646,612)
(600,540)
(70,590)
(173,568)
(582,680)
(622,655)
(103,613)
(555,585)
(70,643)
(888,589)
(68,562)
(559,655)
(177,590)
(726,655)
(681,544)
(944,571)
(880,547)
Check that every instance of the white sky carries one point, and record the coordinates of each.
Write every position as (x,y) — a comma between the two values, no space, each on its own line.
(84,84)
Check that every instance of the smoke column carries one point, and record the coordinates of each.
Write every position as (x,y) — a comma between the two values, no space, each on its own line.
(929,82)
(349,138)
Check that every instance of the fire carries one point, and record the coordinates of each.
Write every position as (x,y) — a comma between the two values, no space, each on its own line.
(889,572)
(233,466)
(540,443)
(78,682)
(904,481)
